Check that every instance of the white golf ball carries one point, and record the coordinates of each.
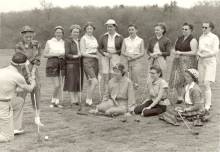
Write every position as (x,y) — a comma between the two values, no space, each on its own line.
(46,137)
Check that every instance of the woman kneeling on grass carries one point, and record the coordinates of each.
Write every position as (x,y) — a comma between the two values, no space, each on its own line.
(157,91)
(193,106)
(121,98)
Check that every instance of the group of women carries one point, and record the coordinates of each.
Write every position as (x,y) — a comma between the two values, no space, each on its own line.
(74,57)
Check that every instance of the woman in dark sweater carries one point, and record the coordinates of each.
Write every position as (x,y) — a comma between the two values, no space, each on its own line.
(185,58)
(74,71)
(159,48)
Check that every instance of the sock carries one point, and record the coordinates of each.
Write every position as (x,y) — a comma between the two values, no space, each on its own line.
(208,98)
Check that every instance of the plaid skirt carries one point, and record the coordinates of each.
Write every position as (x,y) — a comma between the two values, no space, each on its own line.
(177,76)
(172,117)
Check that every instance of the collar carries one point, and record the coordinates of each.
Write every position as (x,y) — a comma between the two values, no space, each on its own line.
(13,68)
(208,34)
(116,34)
(54,39)
(158,38)
(156,82)
(133,38)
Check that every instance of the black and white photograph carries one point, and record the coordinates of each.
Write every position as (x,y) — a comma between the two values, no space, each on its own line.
(109,76)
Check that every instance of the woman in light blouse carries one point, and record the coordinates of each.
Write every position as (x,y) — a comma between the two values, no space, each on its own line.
(54,51)
(89,48)
(132,51)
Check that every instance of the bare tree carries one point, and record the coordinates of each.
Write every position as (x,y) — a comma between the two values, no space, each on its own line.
(47,6)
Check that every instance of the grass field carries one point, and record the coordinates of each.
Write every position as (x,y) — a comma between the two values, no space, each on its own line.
(69,132)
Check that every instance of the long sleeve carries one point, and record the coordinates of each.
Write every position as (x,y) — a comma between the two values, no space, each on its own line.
(83,45)
(167,48)
(101,46)
(68,53)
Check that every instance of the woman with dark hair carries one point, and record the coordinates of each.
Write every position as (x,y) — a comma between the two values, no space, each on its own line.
(159,48)
(157,101)
(54,51)
(185,58)
(89,48)
(121,98)
(74,70)
(132,51)
(193,107)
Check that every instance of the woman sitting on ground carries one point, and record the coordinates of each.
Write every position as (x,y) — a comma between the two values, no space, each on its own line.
(121,98)
(193,106)
(157,88)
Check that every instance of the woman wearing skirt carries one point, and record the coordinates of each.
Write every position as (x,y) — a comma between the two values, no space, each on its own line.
(54,51)
(185,58)
(89,48)
(74,71)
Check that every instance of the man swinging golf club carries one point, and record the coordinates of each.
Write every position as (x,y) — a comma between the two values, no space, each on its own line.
(11,80)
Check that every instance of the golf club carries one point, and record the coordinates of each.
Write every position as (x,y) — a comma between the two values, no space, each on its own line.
(38,127)
(80,87)
(193,132)
(61,80)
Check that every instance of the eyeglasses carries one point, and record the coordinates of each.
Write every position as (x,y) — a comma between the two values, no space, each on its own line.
(204,27)
(184,29)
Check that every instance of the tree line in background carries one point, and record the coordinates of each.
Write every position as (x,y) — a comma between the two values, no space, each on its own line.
(45,19)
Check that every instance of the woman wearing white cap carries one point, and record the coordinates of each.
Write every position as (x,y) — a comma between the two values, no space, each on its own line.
(193,107)
(54,51)
(110,48)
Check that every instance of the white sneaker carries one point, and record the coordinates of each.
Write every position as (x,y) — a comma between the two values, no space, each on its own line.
(18,132)
(89,102)
(57,101)
(38,122)
(53,100)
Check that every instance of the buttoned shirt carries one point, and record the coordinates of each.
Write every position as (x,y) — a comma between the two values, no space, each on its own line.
(111,43)
(133,45)
(88,44)
(208,44)
(55,46)
(155,87)
(10,79)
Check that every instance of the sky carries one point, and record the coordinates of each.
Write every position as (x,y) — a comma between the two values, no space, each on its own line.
(20,5)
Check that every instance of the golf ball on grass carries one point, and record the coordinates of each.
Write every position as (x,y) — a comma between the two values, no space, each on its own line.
(46,137)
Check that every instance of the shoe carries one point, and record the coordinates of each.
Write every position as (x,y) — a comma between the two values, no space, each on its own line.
(93,111)
(179,101)
(57,101)
(89,102)
(59,106)
(198,123)
(18,132)
(52,105)
(38,122)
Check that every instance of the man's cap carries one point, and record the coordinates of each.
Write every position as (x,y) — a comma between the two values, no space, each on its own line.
(18,58)
(26,28)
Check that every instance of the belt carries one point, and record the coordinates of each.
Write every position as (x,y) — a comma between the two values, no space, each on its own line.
(4,100)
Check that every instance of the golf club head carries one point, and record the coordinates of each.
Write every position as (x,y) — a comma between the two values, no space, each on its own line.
(195,132)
